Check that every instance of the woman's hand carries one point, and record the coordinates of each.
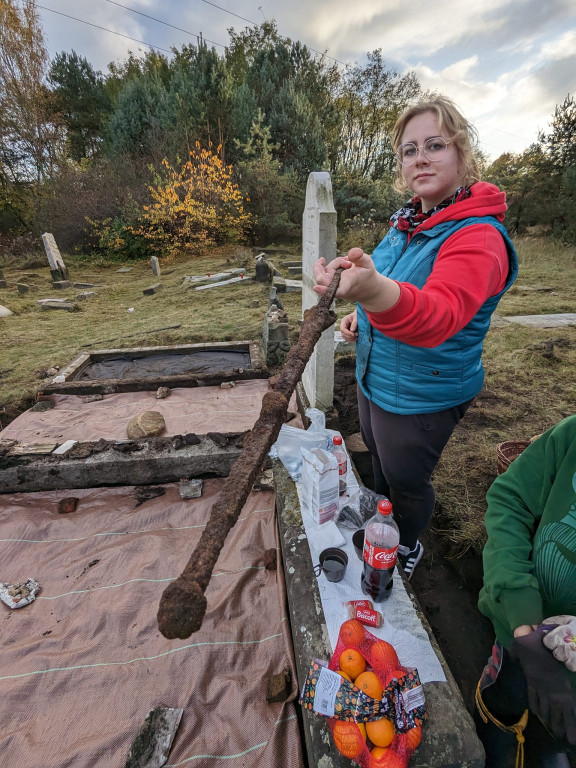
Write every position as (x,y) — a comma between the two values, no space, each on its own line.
(359,281)
(524,629)
(349,326)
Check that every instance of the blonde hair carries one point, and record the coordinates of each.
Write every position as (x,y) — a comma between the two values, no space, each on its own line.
(452,124)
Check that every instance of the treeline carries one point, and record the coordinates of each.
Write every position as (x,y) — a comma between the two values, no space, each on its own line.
(163,153)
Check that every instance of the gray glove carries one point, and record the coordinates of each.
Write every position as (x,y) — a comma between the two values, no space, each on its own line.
(550,693)
(562,640)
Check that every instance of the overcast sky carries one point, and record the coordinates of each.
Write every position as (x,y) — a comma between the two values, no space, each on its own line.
(506,63)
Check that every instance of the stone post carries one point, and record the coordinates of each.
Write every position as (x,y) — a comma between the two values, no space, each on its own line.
(318,239)
(57,267)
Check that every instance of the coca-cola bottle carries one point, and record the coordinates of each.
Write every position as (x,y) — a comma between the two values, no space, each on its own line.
(342,459)
(381,539)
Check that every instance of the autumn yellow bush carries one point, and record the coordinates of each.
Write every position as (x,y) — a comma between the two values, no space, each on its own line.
(198,203)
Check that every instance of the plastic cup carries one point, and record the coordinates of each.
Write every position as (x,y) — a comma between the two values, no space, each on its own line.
(333,562)
(358,542)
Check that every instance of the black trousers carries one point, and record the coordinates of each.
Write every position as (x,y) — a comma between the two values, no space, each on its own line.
(405,450)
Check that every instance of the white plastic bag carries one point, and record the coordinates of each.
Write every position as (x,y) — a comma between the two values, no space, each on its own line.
(291,440)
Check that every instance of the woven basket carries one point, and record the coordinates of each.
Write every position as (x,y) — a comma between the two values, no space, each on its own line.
(508,451)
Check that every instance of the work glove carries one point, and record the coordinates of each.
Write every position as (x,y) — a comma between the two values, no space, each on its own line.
(550,693)
(562,640)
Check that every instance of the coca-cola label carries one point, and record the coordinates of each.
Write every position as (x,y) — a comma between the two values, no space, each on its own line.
(380,558)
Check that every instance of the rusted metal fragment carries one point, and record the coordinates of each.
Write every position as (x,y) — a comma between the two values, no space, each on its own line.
(183,604)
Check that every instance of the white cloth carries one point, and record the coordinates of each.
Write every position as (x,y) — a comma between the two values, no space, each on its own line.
(401,626)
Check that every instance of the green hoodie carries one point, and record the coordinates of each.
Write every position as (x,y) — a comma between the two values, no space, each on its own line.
(530,555)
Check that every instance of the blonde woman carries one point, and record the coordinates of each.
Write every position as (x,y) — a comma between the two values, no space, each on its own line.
(424,302)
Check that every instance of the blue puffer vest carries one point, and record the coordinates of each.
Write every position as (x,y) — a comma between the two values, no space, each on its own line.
(402,378)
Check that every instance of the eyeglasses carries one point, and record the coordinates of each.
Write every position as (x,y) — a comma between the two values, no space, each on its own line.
(434,149)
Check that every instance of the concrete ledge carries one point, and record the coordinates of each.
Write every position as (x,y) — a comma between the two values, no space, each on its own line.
(450,739)
(139,462)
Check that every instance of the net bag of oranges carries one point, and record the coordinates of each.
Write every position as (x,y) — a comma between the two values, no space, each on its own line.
(375,705)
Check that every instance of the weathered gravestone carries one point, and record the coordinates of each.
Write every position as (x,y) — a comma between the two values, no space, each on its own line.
(57,267)
(155,264)
(318,240)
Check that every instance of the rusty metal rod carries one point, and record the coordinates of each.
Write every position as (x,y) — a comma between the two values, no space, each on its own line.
(183,603)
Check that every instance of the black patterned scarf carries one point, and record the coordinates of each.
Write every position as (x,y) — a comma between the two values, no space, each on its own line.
(407,218)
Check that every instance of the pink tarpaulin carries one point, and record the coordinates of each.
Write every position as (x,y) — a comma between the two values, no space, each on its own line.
(199,409)
(82,665)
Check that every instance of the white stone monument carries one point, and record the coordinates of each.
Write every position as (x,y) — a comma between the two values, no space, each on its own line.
(57,267)
(318,240)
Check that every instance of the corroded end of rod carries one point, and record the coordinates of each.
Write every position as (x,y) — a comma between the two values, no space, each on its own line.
(182,608)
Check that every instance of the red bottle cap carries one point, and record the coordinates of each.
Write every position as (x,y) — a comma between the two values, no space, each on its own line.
(337,440)
(385,507)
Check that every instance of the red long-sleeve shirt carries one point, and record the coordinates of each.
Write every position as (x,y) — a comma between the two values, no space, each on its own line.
(471,266)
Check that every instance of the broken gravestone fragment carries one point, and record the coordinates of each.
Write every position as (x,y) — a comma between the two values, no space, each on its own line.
(151,747)
(19,595)
(152,289)
(146,424)
(190,489)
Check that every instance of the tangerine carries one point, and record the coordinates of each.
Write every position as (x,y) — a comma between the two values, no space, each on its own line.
(362,727)
(383,656)
(380,732)
(343,674)
(352,662)
(352,632)
(378,752)
(395,673)
(387,759)
(413,737)
(369,683)
(348,738)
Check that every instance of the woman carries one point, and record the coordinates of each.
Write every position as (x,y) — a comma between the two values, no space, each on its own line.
(424,302)
(529,594)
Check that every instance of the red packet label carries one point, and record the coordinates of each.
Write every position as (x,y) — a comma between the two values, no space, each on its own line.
(369,617)
(382,559)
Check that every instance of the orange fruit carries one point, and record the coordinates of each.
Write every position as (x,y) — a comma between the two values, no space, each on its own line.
(387,759)
(413,737)
(369,683)
(343,674)
(352,632)
(362,727)
(352,662)
(395,673)
(380,732)
(348,738)
(378,752)
(383,656)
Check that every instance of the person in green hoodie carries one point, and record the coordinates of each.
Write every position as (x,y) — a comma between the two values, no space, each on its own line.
(529,594)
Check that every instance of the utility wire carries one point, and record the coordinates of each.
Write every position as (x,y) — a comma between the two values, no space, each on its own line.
(225,10)
(166,24)
(89,23)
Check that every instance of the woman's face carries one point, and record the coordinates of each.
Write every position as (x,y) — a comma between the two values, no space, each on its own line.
(432,181)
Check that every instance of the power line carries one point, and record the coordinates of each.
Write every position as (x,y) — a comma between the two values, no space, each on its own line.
(89,23)
(229,12)
(166,24)
(225,10)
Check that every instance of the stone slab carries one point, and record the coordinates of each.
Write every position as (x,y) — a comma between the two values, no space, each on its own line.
(152,289)
(89,465)
(449,739)
(544,321)
(244,278)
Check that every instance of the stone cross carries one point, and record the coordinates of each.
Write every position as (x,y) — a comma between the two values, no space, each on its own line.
(57,267)
(318,239)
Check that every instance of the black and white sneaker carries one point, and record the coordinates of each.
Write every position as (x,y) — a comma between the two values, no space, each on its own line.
(409,558)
